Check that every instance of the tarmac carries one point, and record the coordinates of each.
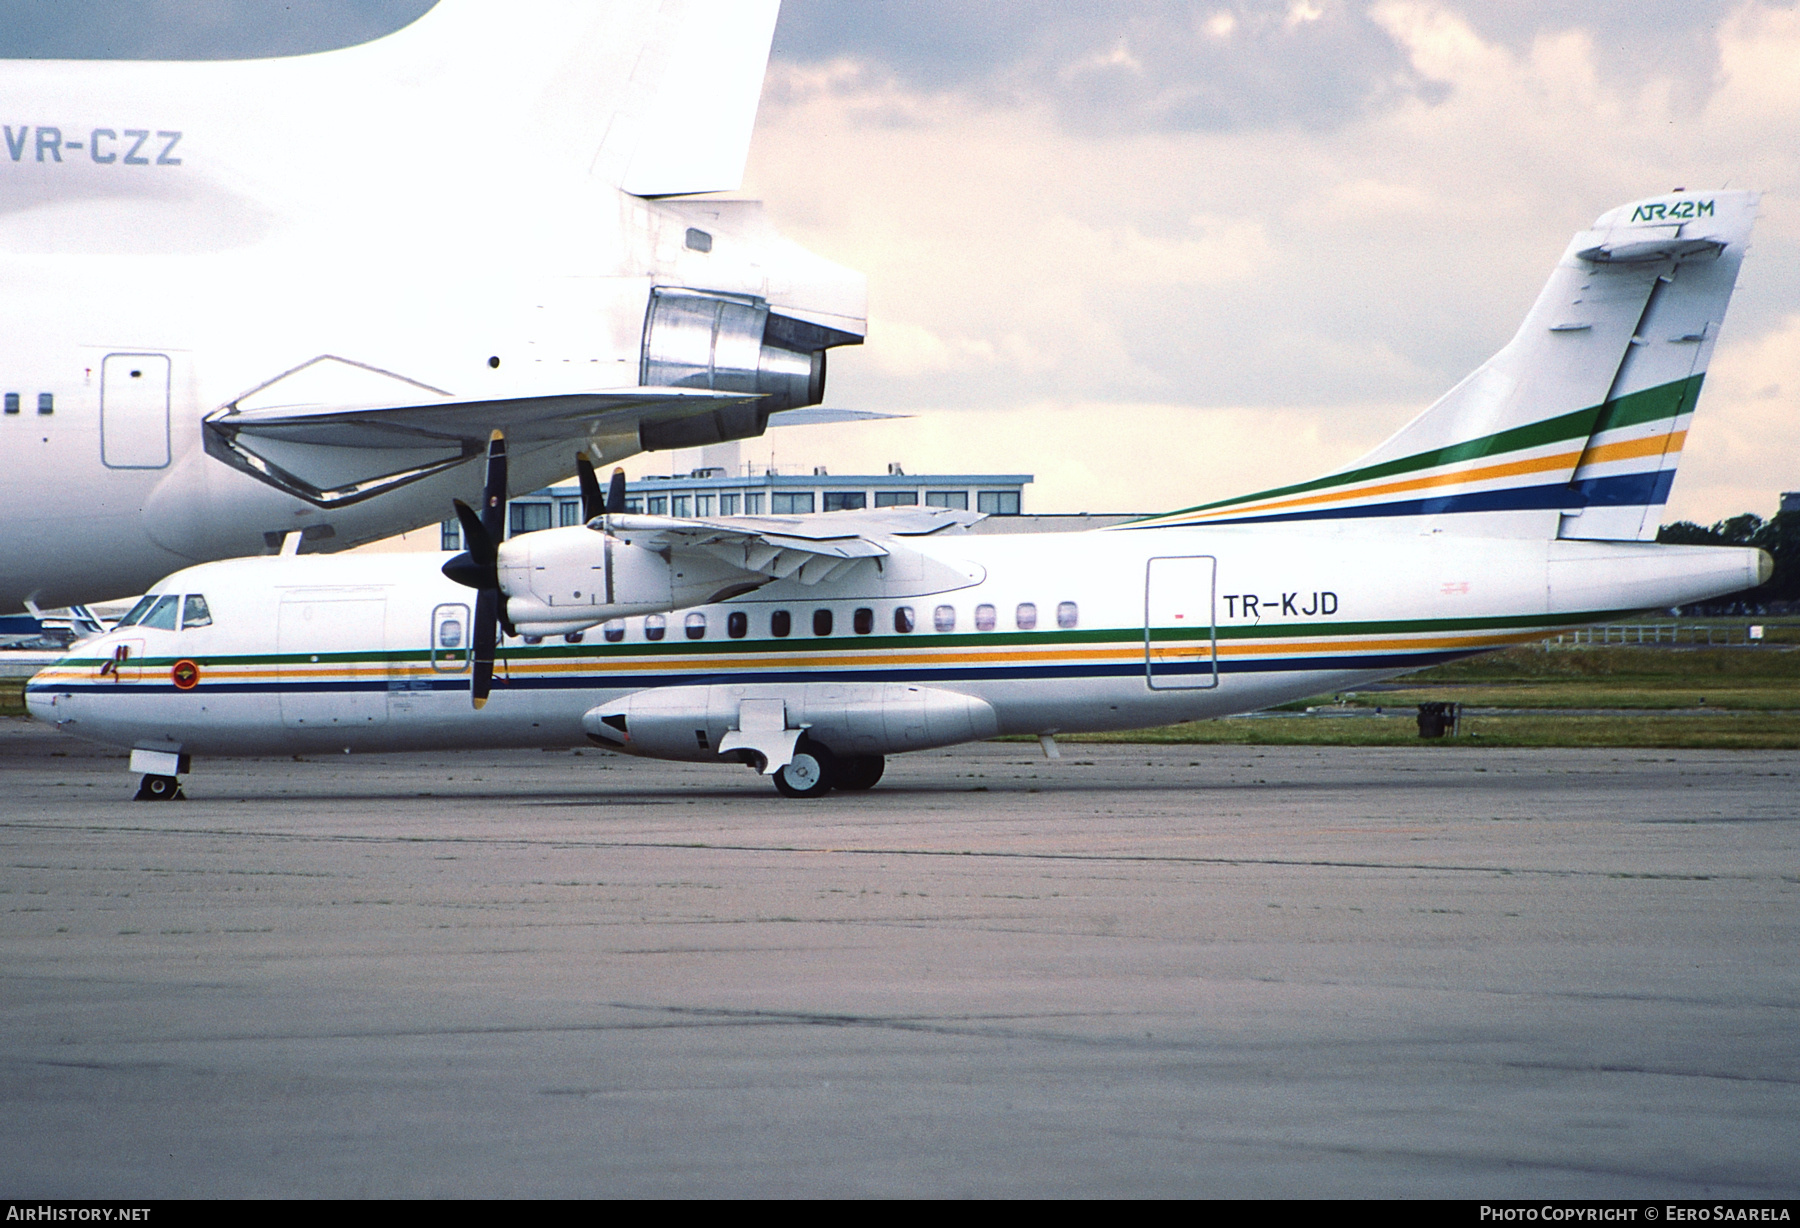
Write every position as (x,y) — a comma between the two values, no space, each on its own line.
(1439,971)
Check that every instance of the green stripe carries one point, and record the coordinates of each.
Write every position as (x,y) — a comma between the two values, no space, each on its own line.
(1107,636)
(1663,401)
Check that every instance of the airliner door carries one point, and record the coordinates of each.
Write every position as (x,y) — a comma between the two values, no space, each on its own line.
(333,659)
(1181,642)
(134,411)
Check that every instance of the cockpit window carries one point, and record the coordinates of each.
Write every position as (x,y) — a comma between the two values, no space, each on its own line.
(137,611)
(196,614)
(162,614)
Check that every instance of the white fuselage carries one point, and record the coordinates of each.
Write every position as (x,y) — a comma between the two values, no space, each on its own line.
(1054,633)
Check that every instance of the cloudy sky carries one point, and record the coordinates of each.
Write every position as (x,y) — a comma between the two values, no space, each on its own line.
(1157,252)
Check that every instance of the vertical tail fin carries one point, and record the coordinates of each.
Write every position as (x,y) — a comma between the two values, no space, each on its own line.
(1574,429)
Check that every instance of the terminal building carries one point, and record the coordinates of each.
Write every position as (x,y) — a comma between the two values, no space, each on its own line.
(714,491)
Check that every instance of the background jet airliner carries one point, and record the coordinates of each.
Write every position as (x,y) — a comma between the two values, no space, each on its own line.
(1523,501)
(247,299)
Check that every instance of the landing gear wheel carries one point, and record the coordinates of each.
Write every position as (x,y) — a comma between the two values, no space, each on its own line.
(159,789)
(859,771)
(811,772)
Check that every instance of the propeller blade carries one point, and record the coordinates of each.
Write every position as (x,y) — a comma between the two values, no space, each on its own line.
(615,493)
(481,545)
(482,680)
(592,502)
(493,491)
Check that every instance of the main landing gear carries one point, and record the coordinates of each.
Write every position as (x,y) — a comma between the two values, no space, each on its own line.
(815,771)
(159,789)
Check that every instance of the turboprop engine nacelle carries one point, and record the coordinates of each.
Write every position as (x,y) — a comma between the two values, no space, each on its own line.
(561,580)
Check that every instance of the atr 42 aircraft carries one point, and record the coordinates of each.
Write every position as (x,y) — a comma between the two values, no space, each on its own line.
(1522,502)
(250,299)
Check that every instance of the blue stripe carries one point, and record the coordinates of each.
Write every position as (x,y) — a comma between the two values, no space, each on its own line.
(1624,490)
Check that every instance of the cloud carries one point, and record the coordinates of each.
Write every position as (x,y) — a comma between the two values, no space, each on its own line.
(1267,276)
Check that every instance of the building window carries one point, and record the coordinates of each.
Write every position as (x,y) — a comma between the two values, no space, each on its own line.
(863,620)
(679,505)
(703,505)
(998,502)
(821,622)
(903,619)
(753,503)
(780,624)
(12,402)
(46,402)
(530,518)
(845,500)
(655,626)
(728,505)
(944,618)
(1067,615)
(737,624)
(896,498)
(984,617)
(695,626)
(958,499)
(568,512)
(614,631)
(1026,616)
(790,502)
(452,535)
(635,506)
(659,505)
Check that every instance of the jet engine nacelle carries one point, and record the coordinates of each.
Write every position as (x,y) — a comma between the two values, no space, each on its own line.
(697,723)
(729,343)
(563,580)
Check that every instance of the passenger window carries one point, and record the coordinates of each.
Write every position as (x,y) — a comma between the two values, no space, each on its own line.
(655,625)
(162,614)
(821,622)
(196,614)
(695,626)
(863,621)
(780,623)
(737,624)
(903,619)
(12,402)
(984,617)
(449,634)
(944,618)
(46,402)
(574,637)
(614,631)
(137,611)
(1026,616)
(1067,615)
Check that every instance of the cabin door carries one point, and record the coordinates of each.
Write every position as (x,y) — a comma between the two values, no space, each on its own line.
(333,660)
(1181,642)
(134,411)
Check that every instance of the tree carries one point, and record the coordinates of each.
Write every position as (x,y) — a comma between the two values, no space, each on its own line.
(1780,536)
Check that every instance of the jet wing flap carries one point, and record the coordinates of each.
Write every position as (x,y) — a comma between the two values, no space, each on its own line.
(332,455)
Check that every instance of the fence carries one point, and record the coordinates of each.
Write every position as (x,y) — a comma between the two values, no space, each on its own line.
(1648,634)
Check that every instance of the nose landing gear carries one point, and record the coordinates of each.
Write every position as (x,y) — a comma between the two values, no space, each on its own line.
(159,789)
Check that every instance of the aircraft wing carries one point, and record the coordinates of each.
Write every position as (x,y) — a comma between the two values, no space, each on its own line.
(810,548)
(332,454)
